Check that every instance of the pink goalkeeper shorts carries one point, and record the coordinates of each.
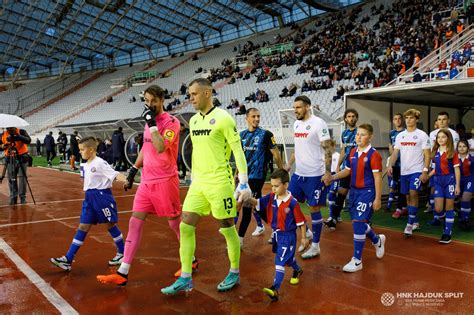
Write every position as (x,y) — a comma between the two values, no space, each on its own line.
(161,199)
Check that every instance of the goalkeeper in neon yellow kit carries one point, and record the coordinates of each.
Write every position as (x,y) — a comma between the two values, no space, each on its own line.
(214,135)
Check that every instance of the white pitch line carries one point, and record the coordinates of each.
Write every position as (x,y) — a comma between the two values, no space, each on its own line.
(51,295)
(49,220)
(62,201)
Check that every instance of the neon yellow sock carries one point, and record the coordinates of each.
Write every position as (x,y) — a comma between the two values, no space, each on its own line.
(233,245)
(187,242)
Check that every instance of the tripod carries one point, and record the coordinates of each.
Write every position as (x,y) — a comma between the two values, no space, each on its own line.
(13,160)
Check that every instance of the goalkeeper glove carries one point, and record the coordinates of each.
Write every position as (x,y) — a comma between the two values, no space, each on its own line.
(131,177)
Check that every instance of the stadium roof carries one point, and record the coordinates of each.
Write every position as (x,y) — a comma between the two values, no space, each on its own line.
(39,34)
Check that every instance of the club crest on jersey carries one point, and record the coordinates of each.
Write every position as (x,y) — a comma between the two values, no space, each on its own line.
(93,169)
(212,121)
(308,127)
(287,210)
(366,159)
(256,140)
(415,137)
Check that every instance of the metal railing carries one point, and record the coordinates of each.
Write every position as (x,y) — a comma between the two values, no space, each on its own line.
(434,58)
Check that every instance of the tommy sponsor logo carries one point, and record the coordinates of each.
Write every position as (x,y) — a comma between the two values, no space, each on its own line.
(202,132)
(301,134)
(408,144)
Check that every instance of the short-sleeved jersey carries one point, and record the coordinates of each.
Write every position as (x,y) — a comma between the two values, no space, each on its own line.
(159,167)
(283,215)
(211,136)
(309,155)
(334,161)
(466,166)
(256,145)
(434,133)
(98,174)
(363,165)
(411,146)
(348,137)
(443,165)
(393,135)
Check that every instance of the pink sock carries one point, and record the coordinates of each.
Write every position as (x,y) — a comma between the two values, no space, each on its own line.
(133,239)
(174,225)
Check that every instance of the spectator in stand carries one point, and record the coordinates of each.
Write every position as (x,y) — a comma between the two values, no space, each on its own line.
(284,92)
(453,73)
(183,88)
(263,97)
(339,93)
(242,110)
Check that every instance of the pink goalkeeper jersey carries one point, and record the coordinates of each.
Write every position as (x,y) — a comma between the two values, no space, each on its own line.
(159,167)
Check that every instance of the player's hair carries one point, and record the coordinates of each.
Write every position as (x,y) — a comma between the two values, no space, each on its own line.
(398,114)
(155,91)
(367,127)
(466,143)
(304,99)
(281,174)
(449,145)
(443,114)
(203,82)
(332,142)
(251,109)
(412,112)
(89,142)
(351,110)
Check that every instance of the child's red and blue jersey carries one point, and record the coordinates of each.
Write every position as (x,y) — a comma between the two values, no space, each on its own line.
(443,165)
(363,165)
(283,215)
(466,165)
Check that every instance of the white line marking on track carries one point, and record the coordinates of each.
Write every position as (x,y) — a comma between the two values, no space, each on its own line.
(60,201)
(50,220)
(51,295)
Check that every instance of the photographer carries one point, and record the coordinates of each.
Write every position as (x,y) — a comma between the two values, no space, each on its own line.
(15,142)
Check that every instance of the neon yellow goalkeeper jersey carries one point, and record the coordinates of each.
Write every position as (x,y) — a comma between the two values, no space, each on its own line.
(211,135)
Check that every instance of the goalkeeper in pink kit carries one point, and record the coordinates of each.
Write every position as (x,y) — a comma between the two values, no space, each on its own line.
(158,192)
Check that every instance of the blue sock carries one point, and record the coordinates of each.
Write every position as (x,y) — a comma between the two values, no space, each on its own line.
(442,214)
(412,211)
(371,234)
(295,265)
(359,238)
(465,210)
(448,225)
(236,218)
(257,219)
(317,223)
(118,238)
(77,242)
(279,275)
(390,199)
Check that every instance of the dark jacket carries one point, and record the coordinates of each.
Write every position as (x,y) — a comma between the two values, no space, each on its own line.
(118,144)
(49,143)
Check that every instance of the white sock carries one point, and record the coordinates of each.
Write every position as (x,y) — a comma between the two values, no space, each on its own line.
(124,268)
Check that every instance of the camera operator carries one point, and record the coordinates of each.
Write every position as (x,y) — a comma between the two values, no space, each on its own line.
(15,142)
